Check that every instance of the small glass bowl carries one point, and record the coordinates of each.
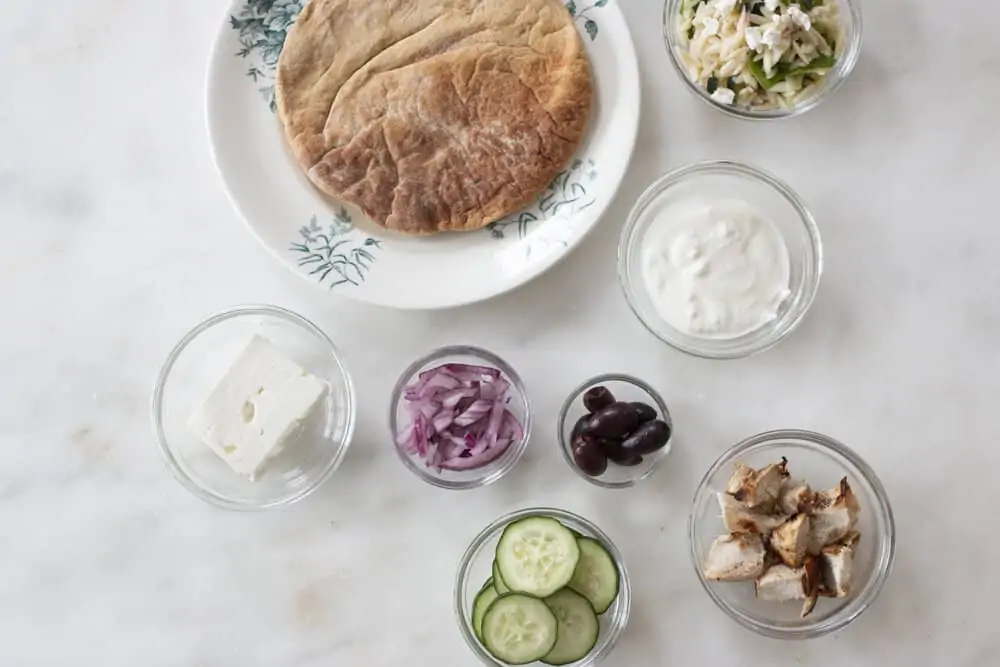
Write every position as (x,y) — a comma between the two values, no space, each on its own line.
(201,359)
(624,388)
(461,479)
(762,191)
(821,462)
(850,13)
(476,567)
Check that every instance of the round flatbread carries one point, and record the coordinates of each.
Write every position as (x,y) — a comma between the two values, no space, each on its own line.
(434,115)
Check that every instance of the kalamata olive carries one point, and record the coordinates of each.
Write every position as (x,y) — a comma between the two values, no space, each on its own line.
(597,398)
(646,412)
(617,420)
(588,457)
(648,438)
(616,453)
(578,427)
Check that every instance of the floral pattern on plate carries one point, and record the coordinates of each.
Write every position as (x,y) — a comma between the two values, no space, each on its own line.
(335,252)
(263,25)
(566,194)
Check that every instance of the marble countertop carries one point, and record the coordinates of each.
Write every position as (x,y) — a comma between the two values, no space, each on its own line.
(116,237)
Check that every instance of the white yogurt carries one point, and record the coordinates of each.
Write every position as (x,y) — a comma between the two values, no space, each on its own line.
(717,269)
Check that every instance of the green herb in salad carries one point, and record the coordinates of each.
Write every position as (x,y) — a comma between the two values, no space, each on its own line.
(782,71)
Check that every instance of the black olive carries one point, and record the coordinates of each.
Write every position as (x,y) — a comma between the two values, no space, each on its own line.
(578,427)
(649,438)
(616,453)
(713,84)
(615,421)
(597,398)
(588,457)
(646,412)
(731,83)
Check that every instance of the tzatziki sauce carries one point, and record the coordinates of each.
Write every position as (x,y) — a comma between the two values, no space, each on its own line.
(715,269)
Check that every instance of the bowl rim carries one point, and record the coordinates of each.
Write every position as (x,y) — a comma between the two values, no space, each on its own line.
(497,525)
(576,393)
(836,78)
(156,405)
(490,475)
(884,561)
(775,334)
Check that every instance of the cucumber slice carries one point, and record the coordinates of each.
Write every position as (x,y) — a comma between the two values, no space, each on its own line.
(518,629)
(488,584)
(596,576)
(498,582)
(578,627)
(483,601)
(536,556)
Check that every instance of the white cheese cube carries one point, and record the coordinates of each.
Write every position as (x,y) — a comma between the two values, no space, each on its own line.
(257,405)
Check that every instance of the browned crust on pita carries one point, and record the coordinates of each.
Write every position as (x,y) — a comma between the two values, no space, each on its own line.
(434,115)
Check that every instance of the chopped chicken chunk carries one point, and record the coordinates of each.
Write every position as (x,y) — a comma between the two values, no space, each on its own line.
(783,584)
(794,497)
(735,557)
(833,517)
(757,488)
(738,519)
(794,543)
(838,566)
(790,540)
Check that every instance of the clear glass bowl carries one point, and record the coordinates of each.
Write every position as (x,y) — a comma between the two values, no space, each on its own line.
(201,359)
(624,388)
(518,405)
(820,461)
(850,13)
(764,192)
(476,567)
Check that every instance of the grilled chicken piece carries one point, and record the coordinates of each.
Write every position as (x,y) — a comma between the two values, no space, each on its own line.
(794,497)
(838,566)
(735,557)
(739,519)
(790,540)
(757,489)
(783,584)
(834,516)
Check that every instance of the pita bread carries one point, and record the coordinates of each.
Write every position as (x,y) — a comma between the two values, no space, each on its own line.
(434,115)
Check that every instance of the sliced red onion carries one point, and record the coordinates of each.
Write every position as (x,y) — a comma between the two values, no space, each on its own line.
(477,461)
(458,417)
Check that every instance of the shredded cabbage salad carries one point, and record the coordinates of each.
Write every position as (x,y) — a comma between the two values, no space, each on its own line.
(760,54)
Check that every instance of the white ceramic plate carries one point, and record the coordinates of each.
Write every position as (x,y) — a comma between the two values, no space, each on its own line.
(338,249)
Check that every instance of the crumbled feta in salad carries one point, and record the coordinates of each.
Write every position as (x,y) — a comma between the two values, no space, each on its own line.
(760,54)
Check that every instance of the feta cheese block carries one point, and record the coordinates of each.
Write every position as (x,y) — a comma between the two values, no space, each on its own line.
(255,407)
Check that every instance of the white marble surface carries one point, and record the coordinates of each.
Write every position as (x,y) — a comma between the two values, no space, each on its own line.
(116,237)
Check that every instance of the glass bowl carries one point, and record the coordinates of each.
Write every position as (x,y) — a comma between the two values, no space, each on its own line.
(201,359)
(820,461)
(850,13)
(518,405)
(762,191)
(624,388)
(476,567)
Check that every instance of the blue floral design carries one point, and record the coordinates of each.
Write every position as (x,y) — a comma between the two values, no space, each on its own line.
(567,193)
(334,252)
(589,24)
(262,25)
